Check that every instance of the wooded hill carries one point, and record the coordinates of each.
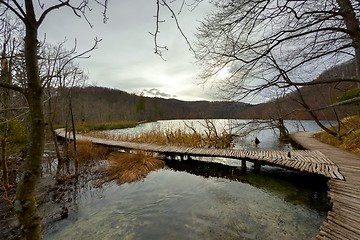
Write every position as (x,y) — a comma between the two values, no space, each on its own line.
(315,96)
(99,104)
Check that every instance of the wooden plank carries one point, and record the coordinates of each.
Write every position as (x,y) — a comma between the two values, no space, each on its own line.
(344,199)
(345,212)
(322,236)
(343,184)
(350,194)
(344,222)
(332,232)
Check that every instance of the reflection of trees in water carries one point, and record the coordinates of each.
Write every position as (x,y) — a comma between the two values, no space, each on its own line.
(62,196)
(295,187)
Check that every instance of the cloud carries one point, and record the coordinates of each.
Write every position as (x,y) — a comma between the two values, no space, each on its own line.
(153,92)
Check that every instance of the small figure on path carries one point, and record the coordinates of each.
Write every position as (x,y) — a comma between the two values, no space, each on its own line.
(257,141)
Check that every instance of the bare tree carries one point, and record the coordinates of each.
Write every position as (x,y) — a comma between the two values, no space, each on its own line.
(267,45)
(60,74)
(33,88)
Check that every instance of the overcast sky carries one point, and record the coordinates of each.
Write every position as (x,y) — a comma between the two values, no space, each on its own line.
(125,58)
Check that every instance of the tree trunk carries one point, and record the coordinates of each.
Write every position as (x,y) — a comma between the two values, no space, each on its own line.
(56,145)
(5,176)
(284,132)
(53,133)
(25,204)
(352,24)
(5,95)
(76,163)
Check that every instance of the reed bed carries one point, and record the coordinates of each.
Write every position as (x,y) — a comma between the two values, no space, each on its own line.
(107,165)
(129,167)
(86,151)
(174,137)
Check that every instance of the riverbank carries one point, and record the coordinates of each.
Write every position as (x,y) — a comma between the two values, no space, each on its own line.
(343,221)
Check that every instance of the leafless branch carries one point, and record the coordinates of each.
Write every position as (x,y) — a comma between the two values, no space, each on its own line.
(159,49)
(19,13)
(72,55)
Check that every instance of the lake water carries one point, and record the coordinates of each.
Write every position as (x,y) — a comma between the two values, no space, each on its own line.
(200,200)
(267,136)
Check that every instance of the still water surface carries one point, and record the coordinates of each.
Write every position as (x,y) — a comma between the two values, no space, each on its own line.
(197,200)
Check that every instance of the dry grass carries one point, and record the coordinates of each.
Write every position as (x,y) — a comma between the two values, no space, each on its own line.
(122,167)
(86,151)
(127,167)
(171,137)
(175,138)
(351,140)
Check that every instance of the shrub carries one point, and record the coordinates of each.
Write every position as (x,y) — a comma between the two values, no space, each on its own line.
(352,93)
(351,135)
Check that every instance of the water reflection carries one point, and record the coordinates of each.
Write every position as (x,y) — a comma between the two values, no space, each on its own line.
(294,187)
(198,200)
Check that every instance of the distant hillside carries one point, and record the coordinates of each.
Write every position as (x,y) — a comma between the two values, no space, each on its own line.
(104,104)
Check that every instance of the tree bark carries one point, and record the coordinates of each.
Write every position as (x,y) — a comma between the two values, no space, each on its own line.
(5,176)
(76,163)
(352,24)
(54,136)
(25,204)
(5,77)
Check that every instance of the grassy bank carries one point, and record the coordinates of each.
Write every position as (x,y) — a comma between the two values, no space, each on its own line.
(350,127)
(87,127)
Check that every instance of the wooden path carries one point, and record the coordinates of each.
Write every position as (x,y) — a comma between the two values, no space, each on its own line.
(343,169)
(311,161)
(343,221)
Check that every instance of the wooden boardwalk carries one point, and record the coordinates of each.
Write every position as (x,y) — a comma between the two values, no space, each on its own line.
(341,167)
(311,161)
(343,221)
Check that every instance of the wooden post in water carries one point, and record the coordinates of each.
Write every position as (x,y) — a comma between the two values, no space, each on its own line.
(243,165)
(257,167)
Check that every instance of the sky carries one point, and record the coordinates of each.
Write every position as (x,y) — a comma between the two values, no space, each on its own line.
(125,57)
